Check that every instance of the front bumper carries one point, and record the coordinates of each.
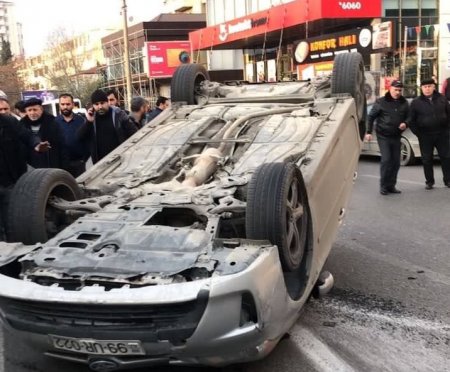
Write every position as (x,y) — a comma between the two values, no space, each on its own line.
(199,322)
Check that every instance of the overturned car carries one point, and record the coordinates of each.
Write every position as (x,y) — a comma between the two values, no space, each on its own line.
(199,239)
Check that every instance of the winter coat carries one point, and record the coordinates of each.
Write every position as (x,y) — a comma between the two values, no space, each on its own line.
(15,142)
(56,156)
(121,123)
(389,114)
(429,116)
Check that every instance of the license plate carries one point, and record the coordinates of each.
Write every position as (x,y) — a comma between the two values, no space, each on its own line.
(97,347)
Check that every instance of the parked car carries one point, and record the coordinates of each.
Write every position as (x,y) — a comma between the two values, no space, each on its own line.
(200,238)
(410,150)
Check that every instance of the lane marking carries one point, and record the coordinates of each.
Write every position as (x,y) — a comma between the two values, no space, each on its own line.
(318,353)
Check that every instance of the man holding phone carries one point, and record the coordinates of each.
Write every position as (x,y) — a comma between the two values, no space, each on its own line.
(106,126)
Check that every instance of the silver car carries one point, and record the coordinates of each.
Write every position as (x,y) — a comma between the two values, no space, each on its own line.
(199,239)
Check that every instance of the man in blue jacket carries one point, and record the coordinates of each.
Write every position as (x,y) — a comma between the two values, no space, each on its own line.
(390,113)
(430,122)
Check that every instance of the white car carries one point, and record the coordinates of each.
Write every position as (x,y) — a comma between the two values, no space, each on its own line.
(200,238)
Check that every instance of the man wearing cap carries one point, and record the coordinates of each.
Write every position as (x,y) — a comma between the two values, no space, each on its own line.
(106,126)
(390,113)
(44,128)
(429,121)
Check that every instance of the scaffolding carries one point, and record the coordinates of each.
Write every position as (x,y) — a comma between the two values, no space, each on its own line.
(114,76)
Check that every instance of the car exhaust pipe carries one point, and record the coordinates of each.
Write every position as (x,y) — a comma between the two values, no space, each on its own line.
(204,166)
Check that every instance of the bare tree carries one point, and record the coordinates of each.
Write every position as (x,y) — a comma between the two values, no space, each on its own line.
(65,68)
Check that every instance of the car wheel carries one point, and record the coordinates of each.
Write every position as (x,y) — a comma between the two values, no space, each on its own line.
(348,77)
(31,218)
(277,210)
(407,156)
(185,85)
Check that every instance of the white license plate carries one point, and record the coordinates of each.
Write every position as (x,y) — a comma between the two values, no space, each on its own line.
(97,347)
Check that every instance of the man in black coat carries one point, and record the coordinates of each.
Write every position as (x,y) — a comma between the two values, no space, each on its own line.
(106,126)
(162,103)
(391,113)
(430,122)
(44,128)
(13,162)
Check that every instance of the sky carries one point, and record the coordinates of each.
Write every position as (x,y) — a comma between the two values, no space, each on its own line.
(40,18)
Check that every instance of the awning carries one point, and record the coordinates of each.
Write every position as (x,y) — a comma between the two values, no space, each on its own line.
(290,17)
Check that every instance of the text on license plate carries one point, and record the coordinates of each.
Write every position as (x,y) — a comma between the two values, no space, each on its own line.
(100,347)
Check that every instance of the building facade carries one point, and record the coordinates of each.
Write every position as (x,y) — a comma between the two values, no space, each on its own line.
(297,39)
(10,29)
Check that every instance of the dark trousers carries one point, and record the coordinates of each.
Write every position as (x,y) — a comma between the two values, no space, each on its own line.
(4,200)
(427,143)
(76,167)
(390,160)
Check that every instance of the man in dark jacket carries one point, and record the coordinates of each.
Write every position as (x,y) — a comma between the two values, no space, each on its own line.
(161,104)
(70,123)
(44,128)
(106,126)
(13,162)
(390,112)
(429,121)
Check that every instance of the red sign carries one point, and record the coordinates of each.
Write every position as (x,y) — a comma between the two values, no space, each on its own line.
(165,56)
(282,16)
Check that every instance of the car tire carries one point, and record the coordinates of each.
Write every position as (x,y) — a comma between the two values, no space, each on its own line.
(186,82)
(31,220)
(278,211)
(407,156)
(348,77)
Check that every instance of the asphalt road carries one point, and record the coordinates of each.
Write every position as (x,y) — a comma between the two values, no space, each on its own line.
(390,308)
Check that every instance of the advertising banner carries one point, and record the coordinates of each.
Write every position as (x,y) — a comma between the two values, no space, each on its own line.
(165,56)
(44,95)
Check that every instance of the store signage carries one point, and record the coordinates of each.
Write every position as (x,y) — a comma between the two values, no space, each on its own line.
(325,48)
(165,56)
(280,17)
(226,29)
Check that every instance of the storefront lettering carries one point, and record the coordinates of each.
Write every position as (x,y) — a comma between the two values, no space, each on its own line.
(245,25)
(350,5)
(322,45)
(348,40)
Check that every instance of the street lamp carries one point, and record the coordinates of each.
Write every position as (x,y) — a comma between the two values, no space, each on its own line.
(126,55)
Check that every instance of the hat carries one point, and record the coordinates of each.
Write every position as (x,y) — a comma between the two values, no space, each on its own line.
(99,96)
(427,82)
(32,102)
(396,84)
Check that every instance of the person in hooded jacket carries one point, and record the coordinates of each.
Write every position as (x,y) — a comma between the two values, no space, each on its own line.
(430,122)
(44,128)
(390,113)
(106,126)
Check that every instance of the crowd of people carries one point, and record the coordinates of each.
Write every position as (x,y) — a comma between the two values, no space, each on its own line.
(428,117)
(31,137)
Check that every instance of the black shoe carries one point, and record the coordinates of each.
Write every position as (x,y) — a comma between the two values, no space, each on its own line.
(447,184)
(394,190)
(384,192)
(429,186)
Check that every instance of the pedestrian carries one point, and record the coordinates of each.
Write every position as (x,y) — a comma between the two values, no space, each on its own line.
(446,88)
(5,107)
(429,121)
(12,162)
(70,123)
(113,99)
(390,113)
(139,108)
(44,128)
(161,104)
(19,109)
(106,126)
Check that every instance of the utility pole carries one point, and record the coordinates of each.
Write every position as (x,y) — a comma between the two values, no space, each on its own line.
(126,56)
